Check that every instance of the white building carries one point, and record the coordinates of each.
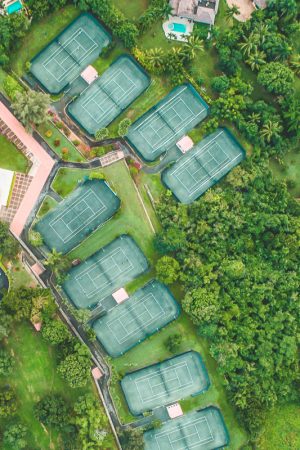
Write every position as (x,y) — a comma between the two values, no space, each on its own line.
(203,11)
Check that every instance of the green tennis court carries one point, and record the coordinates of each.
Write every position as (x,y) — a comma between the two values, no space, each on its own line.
(148,310)
(106,271)
(164,124)
(58,64)
(200,430)
(109,95)
(88,207)
(203,166)
(165,382)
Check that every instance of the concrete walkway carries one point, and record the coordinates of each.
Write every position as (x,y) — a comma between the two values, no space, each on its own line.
(43,167)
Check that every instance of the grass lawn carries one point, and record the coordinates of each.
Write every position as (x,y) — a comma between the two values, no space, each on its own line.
(35,376)
(48,203)
(153,350)
(41,33)
(281,429)
(132,9)
(73,153)
(129,219)
(10,157)
(289,171)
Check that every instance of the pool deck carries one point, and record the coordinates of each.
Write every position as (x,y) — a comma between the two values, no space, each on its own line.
(175,35)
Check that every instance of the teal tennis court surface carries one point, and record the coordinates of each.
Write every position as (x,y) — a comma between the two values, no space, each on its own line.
(165,382)
(203,166)
(145,312)
(88,207)
(164,124)
(200,430)
(69,53)
(109,95)
(106,271)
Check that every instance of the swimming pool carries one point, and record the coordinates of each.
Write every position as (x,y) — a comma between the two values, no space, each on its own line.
(177,27)
(14,7)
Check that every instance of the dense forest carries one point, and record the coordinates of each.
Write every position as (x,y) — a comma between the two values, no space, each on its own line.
(238,250)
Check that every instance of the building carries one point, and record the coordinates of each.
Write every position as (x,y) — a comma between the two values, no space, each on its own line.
(261,4)
(203,11)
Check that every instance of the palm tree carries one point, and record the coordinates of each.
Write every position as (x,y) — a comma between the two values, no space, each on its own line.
(193,45)
(254,117)
(166,10)
(31,107)
(270,130)
(155,58)
(53,259)
(250,43)
(295,64)
(231,12)
(262,30)
(256,60)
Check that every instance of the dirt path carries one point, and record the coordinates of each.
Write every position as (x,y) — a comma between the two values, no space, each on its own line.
(246,8)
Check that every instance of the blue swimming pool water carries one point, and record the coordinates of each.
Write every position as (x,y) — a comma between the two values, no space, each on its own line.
(14,7)
(178,27)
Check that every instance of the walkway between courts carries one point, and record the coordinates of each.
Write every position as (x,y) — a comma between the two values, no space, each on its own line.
(41,169)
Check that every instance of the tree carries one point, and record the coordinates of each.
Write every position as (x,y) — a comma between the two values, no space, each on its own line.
(6,362)
(256,60)
(271,130)
(55,332)
(193,45)
(15,436)
(35,238)
(231,12)
(276,78)
(123,127)
(76,367)
(167,269)
(52,411)
(57,262)
(8,245)
(295,64)
(155,60)
(8,403)
(11,87)
(220,84)
(31,107)
(132,439)
(101,134)
(173,342)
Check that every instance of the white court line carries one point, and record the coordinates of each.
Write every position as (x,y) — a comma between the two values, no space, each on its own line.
(162,142)
(161,373)
(113,254)
(118,320)
(92,97)
(185,436)
(183,170)
(82,225)
(62,49)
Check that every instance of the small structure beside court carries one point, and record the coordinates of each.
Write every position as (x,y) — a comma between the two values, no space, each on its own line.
(165,382)
(200,430)
(174,410)
(147,311)
(185,144)
(89,75)
(120,295)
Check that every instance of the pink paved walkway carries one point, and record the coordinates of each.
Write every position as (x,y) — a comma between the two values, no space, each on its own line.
(43,163)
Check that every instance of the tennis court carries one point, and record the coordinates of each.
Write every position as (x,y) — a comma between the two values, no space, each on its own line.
(165,382)
(164,124)
(89,206)
(200,430)
(148,310)
(107,270)
(69,53)
(109,95)
(203,166)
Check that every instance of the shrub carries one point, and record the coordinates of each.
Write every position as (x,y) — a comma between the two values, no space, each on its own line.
(48,133)
(66,131)
(76,142)
(173,342)
(59,125)
(101,134)
(96,176)
(123,126)
(57,142)
(35,238)
(99,151)
(133,171)
(11,87)
(65,150)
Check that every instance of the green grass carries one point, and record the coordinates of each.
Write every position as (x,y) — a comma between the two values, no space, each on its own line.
(129,219)
(153,350)
(10,157)
(40,34)
(46,206)
(281,429)
(73,153)
(289,170)
(35,376)
(132,9)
